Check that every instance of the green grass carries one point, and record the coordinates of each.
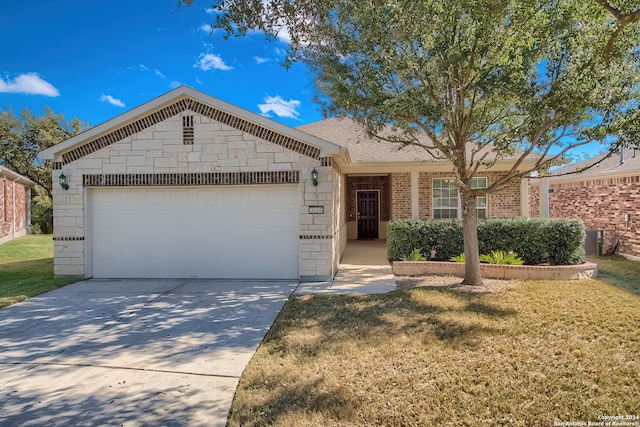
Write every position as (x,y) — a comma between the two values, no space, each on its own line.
(26,269)
(620,272)
(539,353)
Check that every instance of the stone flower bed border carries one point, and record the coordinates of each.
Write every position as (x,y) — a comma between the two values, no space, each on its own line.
(587,270)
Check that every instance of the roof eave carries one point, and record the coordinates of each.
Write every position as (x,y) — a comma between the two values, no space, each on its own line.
(327,148)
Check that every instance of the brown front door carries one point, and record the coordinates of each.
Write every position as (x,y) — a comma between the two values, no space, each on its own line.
(367,214)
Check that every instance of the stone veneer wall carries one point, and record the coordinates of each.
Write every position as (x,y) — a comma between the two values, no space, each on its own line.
(215,148)
(602,204)
(12,223)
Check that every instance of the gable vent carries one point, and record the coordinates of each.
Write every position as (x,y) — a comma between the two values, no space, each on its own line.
(187,130)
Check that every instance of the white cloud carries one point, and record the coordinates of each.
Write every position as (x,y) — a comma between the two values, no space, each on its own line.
(175,84)
(29,83)
(211,11)
(280,107)
(261,60)
(208,61)
(207,28)
(159,73)
(111,100)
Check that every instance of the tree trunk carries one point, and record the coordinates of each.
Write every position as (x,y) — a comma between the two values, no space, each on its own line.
(472,275)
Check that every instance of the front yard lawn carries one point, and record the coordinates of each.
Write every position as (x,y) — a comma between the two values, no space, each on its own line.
(26,269)
(538,353)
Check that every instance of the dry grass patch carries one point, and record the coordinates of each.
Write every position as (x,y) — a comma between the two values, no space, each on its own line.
(533,354)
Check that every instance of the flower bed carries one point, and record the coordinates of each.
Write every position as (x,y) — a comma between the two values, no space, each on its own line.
(586,270)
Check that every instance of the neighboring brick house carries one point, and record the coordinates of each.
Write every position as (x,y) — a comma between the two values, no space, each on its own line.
(15,204)
(187,185)
(606,197)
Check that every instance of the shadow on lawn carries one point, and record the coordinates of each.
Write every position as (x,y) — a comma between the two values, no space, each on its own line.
(449,314)
(335,326)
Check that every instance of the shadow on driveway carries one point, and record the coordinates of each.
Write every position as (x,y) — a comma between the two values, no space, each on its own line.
(132,352)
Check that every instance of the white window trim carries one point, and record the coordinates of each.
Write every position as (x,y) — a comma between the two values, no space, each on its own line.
(459,213)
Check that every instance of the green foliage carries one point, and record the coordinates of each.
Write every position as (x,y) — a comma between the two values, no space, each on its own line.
(41,212)
(534,240)
(470,81)
(444,237)
(458,258)
(502,258)
(21,139)
(415,255)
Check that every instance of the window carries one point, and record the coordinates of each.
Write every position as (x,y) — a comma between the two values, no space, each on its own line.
(445,198)
(481,201)
(446,201)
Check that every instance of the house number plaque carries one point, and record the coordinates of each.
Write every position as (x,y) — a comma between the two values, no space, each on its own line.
(316,209)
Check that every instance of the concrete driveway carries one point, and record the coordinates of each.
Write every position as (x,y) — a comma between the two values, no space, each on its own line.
(132,352)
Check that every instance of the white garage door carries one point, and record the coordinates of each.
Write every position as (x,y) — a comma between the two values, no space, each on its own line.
(229,232)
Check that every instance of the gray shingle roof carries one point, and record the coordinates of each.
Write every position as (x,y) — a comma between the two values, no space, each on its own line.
(611,166)
(362,148)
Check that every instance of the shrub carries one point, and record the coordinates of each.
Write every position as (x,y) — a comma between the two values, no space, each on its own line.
(535,240)
(415,255)
(502,258)
(457,258)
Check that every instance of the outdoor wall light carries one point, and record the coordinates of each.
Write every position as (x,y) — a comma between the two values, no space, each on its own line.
(63,181)
(314,177)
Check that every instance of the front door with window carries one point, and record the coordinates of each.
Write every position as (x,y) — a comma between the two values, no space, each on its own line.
(367,214)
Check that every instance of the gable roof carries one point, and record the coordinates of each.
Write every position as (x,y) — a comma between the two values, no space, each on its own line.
(174,102)
(625,162)
(15,176)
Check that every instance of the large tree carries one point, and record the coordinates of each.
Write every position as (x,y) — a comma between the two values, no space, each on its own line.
(22,137)
(483,79)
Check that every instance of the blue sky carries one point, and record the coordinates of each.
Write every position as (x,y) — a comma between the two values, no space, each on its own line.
(96,60)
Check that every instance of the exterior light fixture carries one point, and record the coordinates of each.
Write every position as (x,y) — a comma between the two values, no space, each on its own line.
(63,181)
(314,177)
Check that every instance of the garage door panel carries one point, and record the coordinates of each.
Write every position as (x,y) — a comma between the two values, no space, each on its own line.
(208,233)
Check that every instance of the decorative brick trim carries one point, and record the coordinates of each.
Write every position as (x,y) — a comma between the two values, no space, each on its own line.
(67,239)
(315,237)
(200,108)
(187,130)
(326,161)
(190,179)
(56,165)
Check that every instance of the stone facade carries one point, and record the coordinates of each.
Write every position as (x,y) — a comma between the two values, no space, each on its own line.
(602,203)
(15,198)
(159,154)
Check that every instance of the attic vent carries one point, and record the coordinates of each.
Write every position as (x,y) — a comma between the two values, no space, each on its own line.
(187,130)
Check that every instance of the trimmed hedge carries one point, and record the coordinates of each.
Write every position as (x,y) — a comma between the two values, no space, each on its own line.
(535,240)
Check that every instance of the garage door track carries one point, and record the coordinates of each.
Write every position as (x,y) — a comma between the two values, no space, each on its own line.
(132,352)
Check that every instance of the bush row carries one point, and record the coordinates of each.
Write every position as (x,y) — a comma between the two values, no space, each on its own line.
(535,240)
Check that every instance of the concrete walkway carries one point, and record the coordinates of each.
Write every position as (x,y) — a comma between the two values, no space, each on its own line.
(132,352)
(364,269)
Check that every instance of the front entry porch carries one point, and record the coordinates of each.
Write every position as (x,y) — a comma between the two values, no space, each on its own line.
(363,269)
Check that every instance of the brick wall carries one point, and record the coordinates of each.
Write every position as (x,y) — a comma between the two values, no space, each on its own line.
(506,202)
(602,204)
(534,200)
(401,195)
(12,223)
(502,204)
